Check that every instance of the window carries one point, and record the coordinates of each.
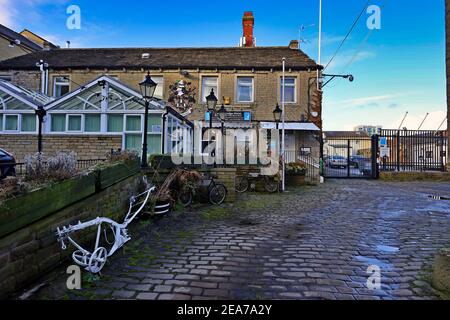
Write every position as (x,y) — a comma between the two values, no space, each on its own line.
(58,123)
(159,91)
(61,86)
(1,122)
(245,89)
(74,123)
(115,123)
(92,123)
(290,95)
(133,142)
(133,123)
(6,77)
(208,84)
(11,122)
(28,123)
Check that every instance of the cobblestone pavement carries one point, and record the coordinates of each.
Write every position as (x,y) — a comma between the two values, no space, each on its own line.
(309,243)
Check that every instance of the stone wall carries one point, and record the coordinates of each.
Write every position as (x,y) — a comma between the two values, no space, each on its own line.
(33,250)
(86,147)
(267,88)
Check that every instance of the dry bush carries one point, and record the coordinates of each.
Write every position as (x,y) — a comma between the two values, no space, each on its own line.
(122,155)
(11,186)
(59,167)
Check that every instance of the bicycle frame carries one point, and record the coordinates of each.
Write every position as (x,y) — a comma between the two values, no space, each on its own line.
(97,257)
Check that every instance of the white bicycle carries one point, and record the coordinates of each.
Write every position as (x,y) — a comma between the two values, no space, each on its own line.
(95,261)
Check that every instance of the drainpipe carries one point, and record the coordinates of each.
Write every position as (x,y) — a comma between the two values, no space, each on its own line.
(43,67)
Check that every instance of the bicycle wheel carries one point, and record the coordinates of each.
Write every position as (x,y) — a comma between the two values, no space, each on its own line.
(241,184)
(271,185)
(185,198)
(217,194)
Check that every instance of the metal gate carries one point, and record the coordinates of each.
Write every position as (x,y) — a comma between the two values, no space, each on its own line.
(352,157)
(413,150)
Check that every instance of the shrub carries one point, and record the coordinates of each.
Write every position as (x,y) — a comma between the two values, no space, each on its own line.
(59,167)
(296,168)
(122,155)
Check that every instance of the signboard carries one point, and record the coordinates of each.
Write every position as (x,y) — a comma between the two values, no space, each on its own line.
(232,116)
(383,142)
(385,152)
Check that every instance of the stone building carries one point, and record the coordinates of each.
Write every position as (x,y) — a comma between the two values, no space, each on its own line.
(247,80)
(447,28)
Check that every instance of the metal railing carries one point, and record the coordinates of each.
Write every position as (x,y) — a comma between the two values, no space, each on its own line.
(413,150)
(20,167)
(312,164)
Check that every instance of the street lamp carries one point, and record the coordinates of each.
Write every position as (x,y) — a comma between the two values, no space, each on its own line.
(41,113)
(277,112)
(211,103)
(147,87)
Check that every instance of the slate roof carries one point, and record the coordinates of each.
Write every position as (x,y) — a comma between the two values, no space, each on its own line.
(257,58)
(346,134)
(12,35)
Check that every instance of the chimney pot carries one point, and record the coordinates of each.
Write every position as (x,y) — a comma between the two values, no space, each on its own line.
(293,44)
(248,23)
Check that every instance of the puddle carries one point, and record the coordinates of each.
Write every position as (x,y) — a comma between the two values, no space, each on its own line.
(376,262)
(387,249)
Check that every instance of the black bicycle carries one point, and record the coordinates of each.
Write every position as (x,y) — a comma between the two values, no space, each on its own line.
(243,182)
(215,192)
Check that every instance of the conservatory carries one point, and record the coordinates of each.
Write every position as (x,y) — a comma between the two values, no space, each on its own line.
(17,109)
(107,107)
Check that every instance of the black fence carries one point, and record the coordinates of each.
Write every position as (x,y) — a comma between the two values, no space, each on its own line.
(413,150)
(311,164)
(350,157)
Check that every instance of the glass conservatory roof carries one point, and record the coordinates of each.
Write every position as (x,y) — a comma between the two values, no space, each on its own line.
(13,97)
(112,94)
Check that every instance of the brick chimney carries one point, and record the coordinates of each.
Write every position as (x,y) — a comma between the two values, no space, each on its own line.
(293,44)
(248,23)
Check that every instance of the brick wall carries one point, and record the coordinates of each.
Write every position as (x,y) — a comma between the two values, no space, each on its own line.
(86,147)
(32,251)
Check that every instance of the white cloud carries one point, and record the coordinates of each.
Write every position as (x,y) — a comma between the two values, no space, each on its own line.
(366,101)
(7,13)
(413,120)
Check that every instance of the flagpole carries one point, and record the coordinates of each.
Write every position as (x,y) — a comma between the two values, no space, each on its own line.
(319,60)
(283,118)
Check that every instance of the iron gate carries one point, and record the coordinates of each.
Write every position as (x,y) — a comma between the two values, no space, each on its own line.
(352,157)
(413,150)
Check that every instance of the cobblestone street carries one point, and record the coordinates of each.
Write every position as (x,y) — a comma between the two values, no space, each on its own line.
(309,243)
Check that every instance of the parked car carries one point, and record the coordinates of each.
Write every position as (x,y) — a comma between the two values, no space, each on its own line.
(7,164)
(336,162)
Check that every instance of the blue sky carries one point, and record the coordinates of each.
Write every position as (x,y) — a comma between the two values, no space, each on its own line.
(399,68)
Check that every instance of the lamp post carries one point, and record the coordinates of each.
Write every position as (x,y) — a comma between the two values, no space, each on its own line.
(211,103)
(147,87)
(41,113)
(277,114)
(222,116)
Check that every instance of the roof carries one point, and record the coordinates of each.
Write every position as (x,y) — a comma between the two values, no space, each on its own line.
(12,35)
(346,134)
(117,58)
(32,98)
(42,40)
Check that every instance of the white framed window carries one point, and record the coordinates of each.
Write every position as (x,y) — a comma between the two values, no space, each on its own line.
(133,123)
(209,83)
(61,86)
(290,89)
(28,122)
(74,123)
(245,89)
(159,91)
(11,123)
